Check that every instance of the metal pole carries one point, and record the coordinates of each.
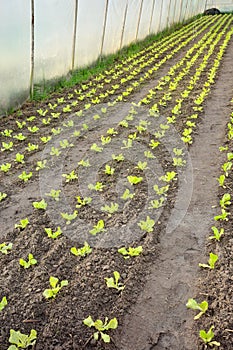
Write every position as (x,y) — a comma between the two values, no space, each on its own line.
(152,14)
(104,28)
(32,48)
(123,28)
(139,20)
(74,35)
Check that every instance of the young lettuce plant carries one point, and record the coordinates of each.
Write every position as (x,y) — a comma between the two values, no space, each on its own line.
(54,194)
(23,224)
(55,287)
(127,195)
(130,252)
(101,327)
(157,203)
(212,260)
(31,147)
(134,180)
(7,146)
(42,205)
(113,282)
(84,163)
(19,158)
(207,337)
(5,248)
(41,164)
(97,187)
(169,176)
(22,341)
(118,158)
(2,196)
(83,202)
(98,228)
(217,233)
(71,176)
(69,217)
(225,201)
(110,209)
(83,251)
(5,167)
(194,305)
(96,148)
(108,170)
(147,225)
(24,176)
(54,234)
(3,303)
(26,264)
(223,216)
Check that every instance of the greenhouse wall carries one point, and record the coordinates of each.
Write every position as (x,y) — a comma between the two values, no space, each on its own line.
(222,5)
(42,40)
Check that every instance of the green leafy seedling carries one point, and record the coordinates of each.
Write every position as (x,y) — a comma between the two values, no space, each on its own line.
(69,217)
(31,147)
(221,180)
(208,336)
(217,233)
(96,148)
(71,176)
(42,205)
(54,194)
(55,287)
(108,170)
(2,196)
(97,187)
(5,167)
(157,203)
(134,180)
(23,224)
(7,146)
(118,158)
(223,216)
(169,176)
(98,228)
(101,327)
(24,176)
(55,151)
(212,260)
(127,195)
(41,164)
(225,200)
(5,248)
(22,341)
(194,305)
(83,251)
(83,202)
(113,282)
(147,225)
(142,165)
(3,303)
(110,209)
(161,190)
(84,163)
(26,264)
(130,252)
(54,234)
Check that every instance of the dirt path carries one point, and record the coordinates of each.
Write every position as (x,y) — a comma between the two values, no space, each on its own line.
(160,320)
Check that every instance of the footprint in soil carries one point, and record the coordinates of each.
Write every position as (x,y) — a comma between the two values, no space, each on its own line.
(166,341)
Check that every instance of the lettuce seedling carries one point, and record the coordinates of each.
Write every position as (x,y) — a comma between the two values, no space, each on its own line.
(83,202)
(223,216)
(153,144)
(142,165)
(84,163)
(45,139)
(7,146)
(97,187)
(20,137)
(24,176)
(208,336)
(169,176)
(113,282)
(96,148)
(162,190)
(5,167)
(202,307)
(54,194)
(42,205)
(26,264)
(110,208)
(55,234)
(7,132)
(212,260)
(55,152)
(108,170)
(227,167)
(101,327)
(2,196)
(33,129)
(23,224)
(130,252)
(118,158)
(178,161)
(105,140)
(69,217)
(31,147)
(98,228)
(65,144)
(4,248)
(20,125)
(112,131)
(41,164)
(83,251)
(41,112)
(56,131)
(225,200)
(217,233)
(149,154)
(22,341)
(56,287)
(221,180)
(134,180)
(3,303)
(127,195)
(127,143)
(71,176)
(157,203)
(147,225)
(178,151)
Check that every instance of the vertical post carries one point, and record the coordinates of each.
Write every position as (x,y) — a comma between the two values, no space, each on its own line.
(161,11)
(123,28)
(185,13)
(181,6)
(152,14)
(139,20)
(74,34)
(104,28)
(32,48)
(168,14)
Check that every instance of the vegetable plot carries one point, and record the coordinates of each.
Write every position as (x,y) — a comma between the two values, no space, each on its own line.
(88,183)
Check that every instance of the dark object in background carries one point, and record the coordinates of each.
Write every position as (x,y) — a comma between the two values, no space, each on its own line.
(212,11)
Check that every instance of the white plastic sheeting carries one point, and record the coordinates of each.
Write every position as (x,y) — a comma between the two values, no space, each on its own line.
(71,34)
(15,52)
(222,5)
